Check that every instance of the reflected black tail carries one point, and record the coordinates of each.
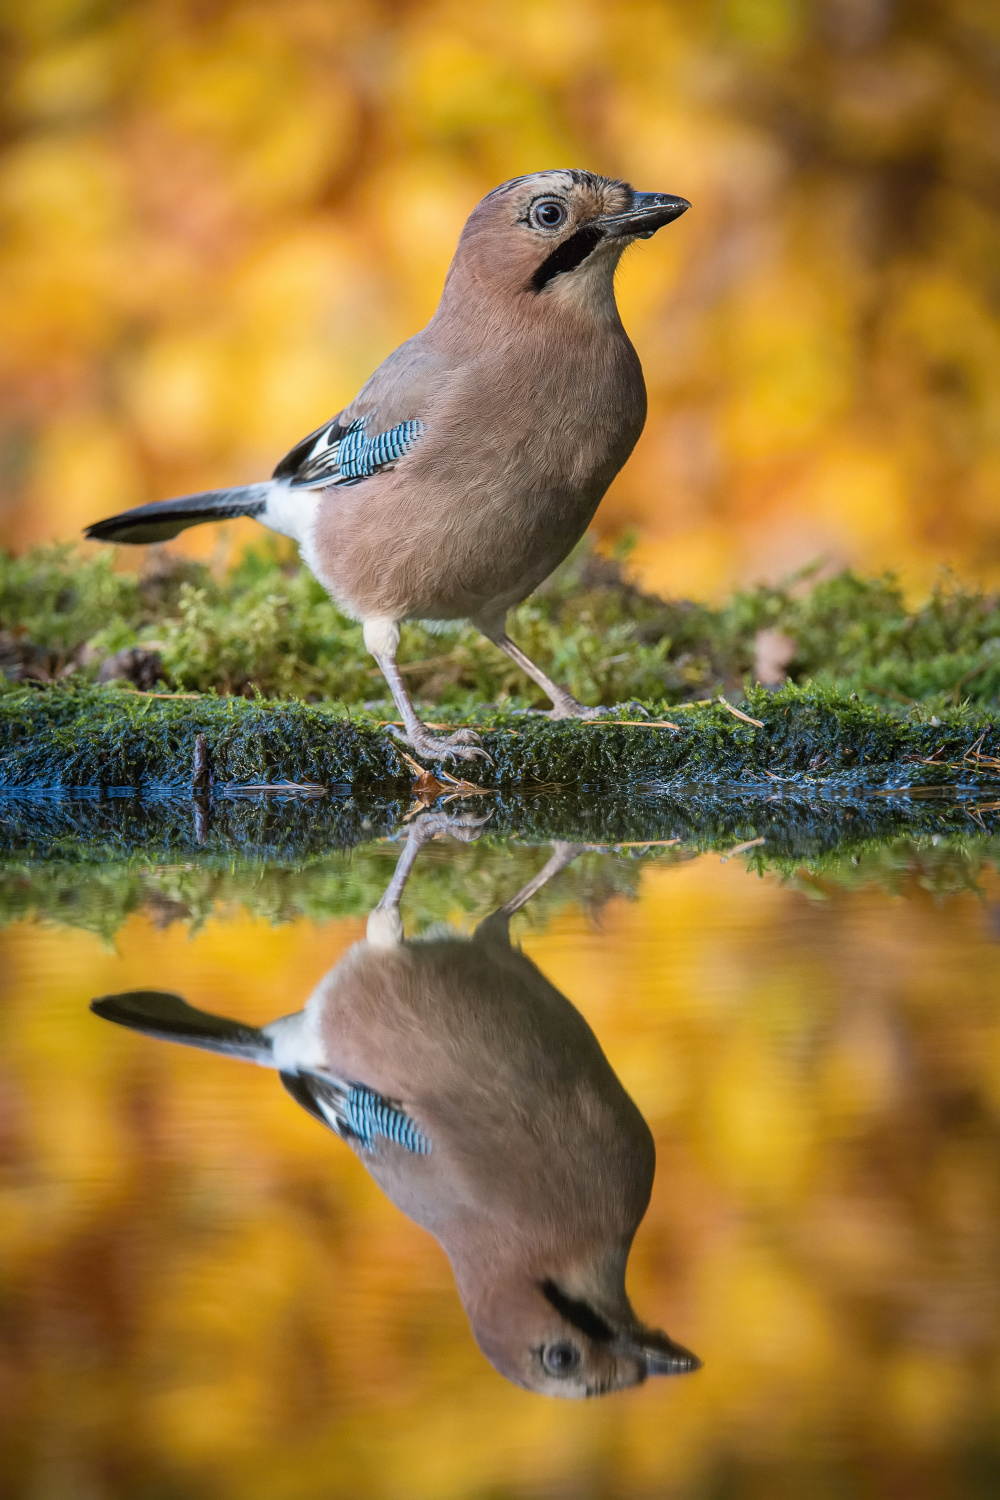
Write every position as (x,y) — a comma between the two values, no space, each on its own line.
(163,519)
(172,1020)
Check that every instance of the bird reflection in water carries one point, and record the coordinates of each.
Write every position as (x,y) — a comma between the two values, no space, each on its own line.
(480,1101)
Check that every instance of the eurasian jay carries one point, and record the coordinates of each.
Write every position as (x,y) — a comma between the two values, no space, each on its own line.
(480,1101)
(474,458)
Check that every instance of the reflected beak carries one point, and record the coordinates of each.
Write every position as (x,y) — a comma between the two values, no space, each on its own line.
(648,213)
(659,1354)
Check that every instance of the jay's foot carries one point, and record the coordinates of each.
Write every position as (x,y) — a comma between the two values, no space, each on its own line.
(464,744)
(566,707)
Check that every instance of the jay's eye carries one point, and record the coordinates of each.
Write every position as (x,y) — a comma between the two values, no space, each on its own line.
(547,213)
(561,1359)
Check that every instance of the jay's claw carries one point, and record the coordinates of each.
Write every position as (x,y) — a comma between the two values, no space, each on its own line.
(464,744)
(463,737)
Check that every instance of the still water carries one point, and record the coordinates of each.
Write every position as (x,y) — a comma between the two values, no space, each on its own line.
(206,1293)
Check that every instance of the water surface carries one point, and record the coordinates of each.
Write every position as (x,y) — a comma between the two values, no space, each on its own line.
(205,1294)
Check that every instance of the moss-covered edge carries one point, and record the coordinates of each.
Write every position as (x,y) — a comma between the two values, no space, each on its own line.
(815,737)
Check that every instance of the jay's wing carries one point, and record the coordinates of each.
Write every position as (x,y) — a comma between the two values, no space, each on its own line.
(379,426)
(336,454)
(345,450)
(355,1112)
(340,453)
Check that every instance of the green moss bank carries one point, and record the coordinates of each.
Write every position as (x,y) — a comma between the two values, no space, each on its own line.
(108,679)
(812,737)
(268,627)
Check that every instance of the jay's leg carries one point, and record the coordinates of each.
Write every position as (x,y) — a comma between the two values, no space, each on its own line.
(497,924)
(382,639)
(564,705)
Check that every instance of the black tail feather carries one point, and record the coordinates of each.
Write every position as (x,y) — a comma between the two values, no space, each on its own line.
(170,1018)
(163,519)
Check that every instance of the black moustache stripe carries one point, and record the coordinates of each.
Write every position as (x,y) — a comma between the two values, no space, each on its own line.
(580,1314)
(567,256)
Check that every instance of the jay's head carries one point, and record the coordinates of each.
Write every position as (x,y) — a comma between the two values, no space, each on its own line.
(558,236)
(567,1342)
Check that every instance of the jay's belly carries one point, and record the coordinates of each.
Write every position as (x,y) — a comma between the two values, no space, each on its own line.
(395,551)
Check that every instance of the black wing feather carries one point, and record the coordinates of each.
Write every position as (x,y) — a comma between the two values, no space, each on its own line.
(296,459)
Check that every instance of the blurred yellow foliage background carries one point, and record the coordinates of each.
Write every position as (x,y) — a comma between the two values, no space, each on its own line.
(215,219)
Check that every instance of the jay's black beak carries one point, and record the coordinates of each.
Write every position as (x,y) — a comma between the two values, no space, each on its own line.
(658,1353)
(648,213)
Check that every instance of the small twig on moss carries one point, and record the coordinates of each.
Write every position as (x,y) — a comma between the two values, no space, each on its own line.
(201,771)
(398,724)
(972,759)
(630,724)
(137,693)
(759,723)
(201,789)
(425,781)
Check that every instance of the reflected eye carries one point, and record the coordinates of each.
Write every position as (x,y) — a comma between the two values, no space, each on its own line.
(561,1359)
(547,213)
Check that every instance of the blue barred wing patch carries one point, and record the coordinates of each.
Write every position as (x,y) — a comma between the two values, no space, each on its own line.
(361,456)
(345,455)
(367,1115)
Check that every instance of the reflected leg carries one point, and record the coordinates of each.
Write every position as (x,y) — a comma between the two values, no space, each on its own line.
(562,855)
(385,926)
(495,927)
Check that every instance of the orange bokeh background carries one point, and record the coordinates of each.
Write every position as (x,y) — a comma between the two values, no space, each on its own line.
(217,218)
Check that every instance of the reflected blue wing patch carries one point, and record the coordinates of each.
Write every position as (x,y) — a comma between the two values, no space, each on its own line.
(367,1115)
(356,1112)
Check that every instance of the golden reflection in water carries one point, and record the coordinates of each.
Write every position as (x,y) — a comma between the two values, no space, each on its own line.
(481,1103)
(205,1294)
